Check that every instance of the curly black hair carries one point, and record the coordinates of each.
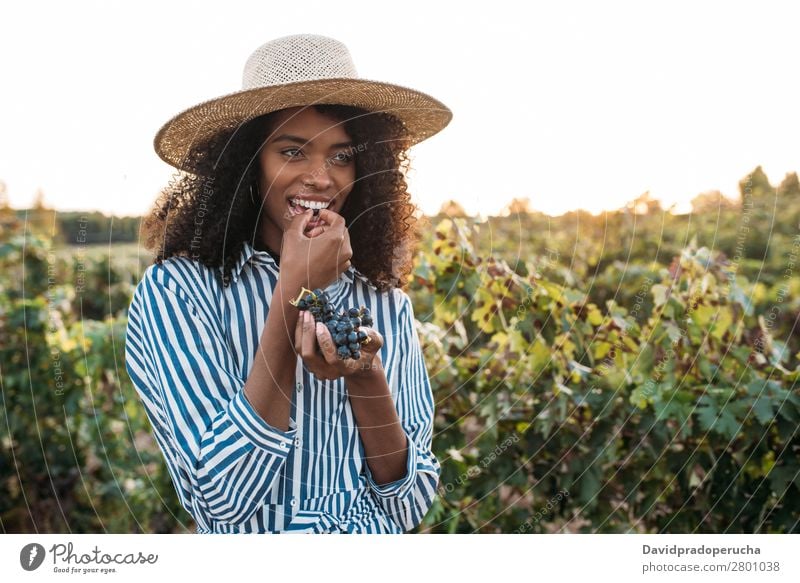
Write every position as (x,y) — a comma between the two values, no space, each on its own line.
(207,213)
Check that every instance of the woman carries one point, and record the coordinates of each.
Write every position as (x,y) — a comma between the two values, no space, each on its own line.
(263,427)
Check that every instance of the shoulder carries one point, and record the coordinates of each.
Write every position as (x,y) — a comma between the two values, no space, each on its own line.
(403,302)
(398,298)
(181,276)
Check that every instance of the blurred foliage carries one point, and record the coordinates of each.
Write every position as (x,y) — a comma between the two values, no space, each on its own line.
(635,371)
(676,411)
(76,449)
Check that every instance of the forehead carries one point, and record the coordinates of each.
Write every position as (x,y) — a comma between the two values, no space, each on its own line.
(307,123)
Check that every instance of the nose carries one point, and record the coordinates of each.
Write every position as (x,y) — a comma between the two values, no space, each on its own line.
(319,179)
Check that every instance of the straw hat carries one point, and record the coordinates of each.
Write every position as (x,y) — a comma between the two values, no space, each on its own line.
(293,71)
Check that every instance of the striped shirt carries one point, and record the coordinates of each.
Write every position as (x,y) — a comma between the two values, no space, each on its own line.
(189,349)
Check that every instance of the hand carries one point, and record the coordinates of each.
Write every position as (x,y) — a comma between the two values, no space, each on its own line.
(314,258)
(318,351)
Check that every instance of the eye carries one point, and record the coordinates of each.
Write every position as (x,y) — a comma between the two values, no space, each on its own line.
(343,157)
(289,151)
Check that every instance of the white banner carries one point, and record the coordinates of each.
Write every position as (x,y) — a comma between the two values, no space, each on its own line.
(138,558)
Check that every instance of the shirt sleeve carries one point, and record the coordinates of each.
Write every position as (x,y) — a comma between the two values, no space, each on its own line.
(408,499)
(223,457)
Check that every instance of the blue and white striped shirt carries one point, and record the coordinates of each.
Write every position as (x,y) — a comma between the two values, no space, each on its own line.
(189,350)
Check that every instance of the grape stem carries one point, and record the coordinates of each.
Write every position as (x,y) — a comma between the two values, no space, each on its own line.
(303,291)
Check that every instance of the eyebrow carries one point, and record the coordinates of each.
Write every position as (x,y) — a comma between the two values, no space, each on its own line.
(302,141)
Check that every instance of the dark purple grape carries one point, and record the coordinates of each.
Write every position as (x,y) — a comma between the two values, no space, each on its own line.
(344,325)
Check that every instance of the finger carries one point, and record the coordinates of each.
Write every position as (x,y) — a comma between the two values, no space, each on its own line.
(331,217)
(374,339)
(345,249)
(299,222)
(298,333)
(316,231)
(326,344)
(309,340)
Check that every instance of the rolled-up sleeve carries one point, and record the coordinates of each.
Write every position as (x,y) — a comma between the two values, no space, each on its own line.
(408,499)
(223,457)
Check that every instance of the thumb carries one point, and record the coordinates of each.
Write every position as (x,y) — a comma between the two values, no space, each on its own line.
(375,341)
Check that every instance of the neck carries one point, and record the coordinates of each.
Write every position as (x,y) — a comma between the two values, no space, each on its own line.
(269,237)
(259,245)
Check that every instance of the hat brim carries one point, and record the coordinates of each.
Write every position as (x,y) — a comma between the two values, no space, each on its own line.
(422,115)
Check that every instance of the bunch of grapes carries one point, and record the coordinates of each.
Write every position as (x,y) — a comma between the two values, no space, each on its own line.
(345,327)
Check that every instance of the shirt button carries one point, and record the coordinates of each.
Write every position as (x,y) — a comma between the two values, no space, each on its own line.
(299,386)
(293,502)
(284,445)
(298,442)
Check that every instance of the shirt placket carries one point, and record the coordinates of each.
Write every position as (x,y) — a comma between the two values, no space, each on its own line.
(292,493)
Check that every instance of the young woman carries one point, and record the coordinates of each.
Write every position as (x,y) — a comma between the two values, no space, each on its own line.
(297,181)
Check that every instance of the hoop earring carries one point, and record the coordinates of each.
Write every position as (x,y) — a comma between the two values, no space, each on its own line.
(251,195)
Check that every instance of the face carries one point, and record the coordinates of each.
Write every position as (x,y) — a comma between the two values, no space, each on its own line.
(307,160)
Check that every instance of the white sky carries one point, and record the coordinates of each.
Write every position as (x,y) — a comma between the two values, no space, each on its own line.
(572,104)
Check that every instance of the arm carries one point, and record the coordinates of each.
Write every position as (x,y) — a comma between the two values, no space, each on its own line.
(270,385)
(223,456)
(408,498)
(378,424)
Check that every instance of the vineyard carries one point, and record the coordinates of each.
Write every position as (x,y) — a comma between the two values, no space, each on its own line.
(635,371)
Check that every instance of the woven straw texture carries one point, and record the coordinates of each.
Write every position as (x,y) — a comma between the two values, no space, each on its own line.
(298,70)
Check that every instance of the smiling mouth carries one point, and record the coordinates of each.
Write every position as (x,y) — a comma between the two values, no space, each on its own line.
(296,207)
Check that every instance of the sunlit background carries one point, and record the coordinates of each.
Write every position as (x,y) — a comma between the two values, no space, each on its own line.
(570,104)
(632,372)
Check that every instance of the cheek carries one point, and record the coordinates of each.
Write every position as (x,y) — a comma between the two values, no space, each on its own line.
(272,169)
(347,181)
(271,177)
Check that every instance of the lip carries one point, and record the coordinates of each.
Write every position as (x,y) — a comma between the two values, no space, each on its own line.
(296,210)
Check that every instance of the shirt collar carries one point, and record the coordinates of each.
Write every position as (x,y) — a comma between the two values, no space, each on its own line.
(252,255)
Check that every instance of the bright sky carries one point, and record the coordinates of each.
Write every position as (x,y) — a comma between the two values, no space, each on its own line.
(571,104)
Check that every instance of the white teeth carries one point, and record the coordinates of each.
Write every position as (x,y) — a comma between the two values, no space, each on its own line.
(311,204)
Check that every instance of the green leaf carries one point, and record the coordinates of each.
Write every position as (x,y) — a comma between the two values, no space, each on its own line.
(706,413)
(673,332)
(703,316)
(721,421)
(763,409)
(781,476)
(600,349)
(659,294)
(590,485)
(724,319)
(540,355)
(595,316)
